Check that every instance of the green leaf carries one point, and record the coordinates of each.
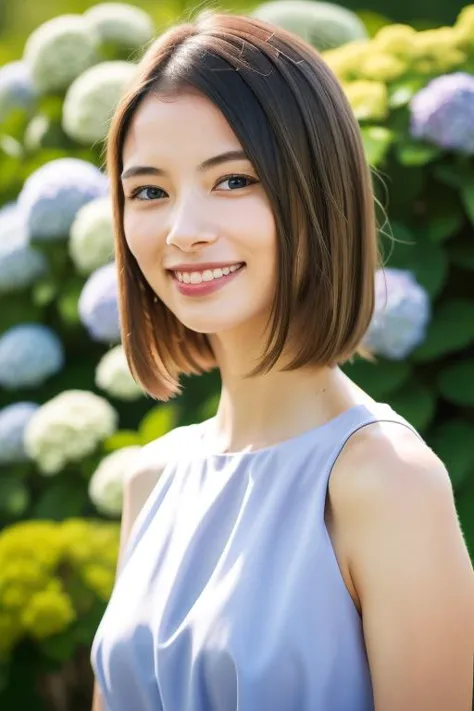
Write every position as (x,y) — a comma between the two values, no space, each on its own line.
(377,141)
(451,328)
(467,195)
(60,647)
(454,174)
(62,499)
(121,439)
(379,379)
(373,21)
(157,422)
(410,154)
(452,442)
(461,253)
(416,403)
(402,91)
(465,509)
(14,497)
(456,383)
(445,218)
(67,302)
(430,266)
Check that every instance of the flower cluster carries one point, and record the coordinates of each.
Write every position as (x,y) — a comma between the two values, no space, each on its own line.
(91,243)
(48,571)
(20,264)
(402,314)
(120,26)
(114,377)
(59,50)
(68,428)
(16,89)
(52,195)
(322,24)
(29,354)
(13,422)
(92,98)
(98,305)
(443,112)
(106,484)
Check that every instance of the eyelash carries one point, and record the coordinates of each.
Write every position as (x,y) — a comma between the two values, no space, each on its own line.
(135,193)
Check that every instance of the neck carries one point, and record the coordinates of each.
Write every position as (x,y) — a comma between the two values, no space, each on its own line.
(265,409)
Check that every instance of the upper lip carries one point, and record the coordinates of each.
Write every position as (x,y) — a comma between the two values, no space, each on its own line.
(201,267)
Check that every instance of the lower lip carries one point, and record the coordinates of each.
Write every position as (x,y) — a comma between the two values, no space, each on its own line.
(205,287)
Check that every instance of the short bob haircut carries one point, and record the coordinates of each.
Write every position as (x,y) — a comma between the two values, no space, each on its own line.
(295,125)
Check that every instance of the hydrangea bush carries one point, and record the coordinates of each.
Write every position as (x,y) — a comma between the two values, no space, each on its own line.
(73,419)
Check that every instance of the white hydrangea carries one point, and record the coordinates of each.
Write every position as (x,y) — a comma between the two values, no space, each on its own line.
(92,98)
(121,26)
(114,377)
(91,243)
(16,89)
(106,484)
(59,50)
(68,428)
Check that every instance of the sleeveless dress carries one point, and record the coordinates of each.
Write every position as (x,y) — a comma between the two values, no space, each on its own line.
(230,596)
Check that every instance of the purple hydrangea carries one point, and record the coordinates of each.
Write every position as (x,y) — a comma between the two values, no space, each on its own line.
(29,354)
(13,422)
(98,305)
(16,89)
(443,112)
(53,194)
(401,316)
(20,264)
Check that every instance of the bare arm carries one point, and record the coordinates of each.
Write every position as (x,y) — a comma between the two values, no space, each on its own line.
(137,488)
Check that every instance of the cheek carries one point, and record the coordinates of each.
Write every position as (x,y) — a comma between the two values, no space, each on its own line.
(141,236)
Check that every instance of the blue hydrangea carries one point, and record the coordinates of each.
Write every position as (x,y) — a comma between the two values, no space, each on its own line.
(20,264)
(402,313)
(53,194)
(98,305)
(443,112)
(16,89)
(13,422)
(29,354)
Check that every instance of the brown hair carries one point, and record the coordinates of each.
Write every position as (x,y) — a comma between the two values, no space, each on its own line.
(295,124)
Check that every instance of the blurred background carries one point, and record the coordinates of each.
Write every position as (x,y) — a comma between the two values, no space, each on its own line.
(72,419)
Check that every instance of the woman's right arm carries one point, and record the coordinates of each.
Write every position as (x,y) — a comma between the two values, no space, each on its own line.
(137,488)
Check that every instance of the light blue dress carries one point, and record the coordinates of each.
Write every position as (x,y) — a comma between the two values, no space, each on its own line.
(230,596)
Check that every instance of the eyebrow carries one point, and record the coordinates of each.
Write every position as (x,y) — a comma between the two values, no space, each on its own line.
(205,165)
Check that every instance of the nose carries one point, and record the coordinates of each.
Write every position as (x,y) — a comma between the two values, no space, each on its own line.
(190,229)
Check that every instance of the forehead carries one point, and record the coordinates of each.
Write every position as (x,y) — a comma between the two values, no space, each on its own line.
(189,122)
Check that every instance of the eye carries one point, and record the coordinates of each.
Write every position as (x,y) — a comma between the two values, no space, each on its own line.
(238,181)
(149,191)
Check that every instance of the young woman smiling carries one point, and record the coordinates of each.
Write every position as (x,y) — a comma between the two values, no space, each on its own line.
(299,551)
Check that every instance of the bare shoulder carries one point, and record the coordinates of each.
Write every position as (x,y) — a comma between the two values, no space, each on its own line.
(387,457)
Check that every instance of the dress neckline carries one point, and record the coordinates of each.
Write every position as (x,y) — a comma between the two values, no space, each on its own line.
(314,434)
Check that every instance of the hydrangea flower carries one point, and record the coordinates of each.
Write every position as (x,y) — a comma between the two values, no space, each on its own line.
(29,354)
(52,195)
(122,26)
(402,313)
(322,24)
(92,98)
(13,421)
(114,377)
(443,112)
(368,99)
(106,484)
(68,428)
(20,264)
(16,89)
(98,305)
(92,236)
(59,50)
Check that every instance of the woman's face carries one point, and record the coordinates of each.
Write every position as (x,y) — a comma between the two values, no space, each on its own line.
(196,217)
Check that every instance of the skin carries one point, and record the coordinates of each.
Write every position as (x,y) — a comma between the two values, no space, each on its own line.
(390,509)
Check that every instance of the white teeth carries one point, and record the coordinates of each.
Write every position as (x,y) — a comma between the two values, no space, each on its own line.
(206,275)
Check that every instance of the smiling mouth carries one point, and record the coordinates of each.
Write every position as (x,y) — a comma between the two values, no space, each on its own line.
(205,275)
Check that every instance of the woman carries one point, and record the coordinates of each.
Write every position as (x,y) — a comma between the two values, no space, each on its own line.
(299,551)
